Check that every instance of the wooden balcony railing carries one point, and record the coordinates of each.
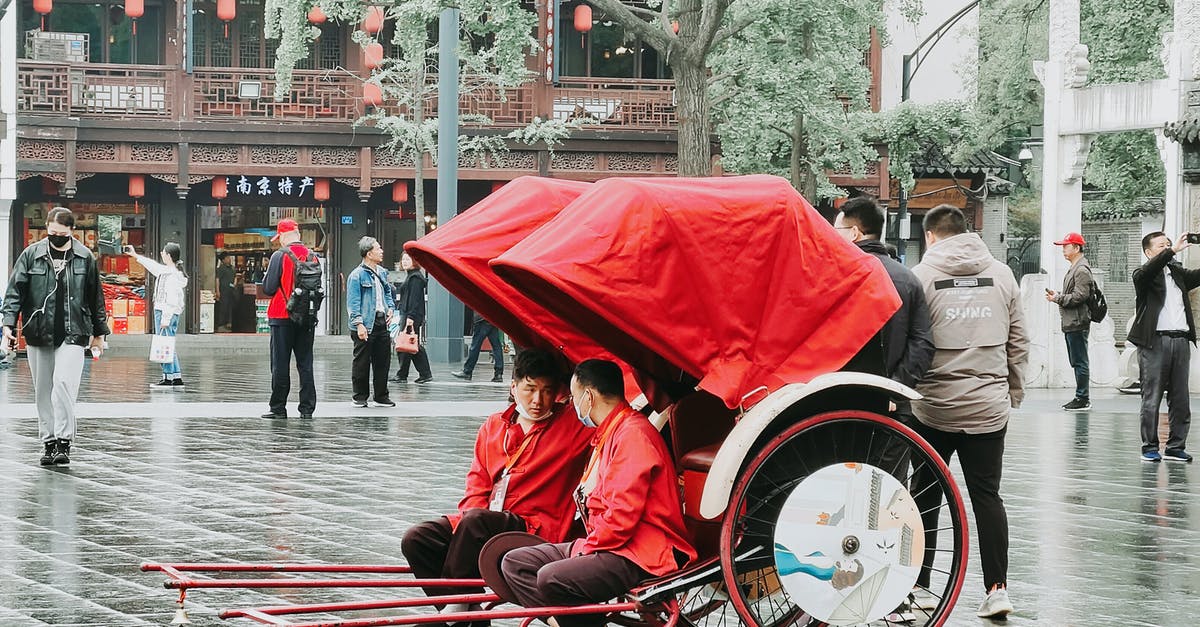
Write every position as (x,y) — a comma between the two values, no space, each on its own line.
(317,95)
(624,102)
(91,90)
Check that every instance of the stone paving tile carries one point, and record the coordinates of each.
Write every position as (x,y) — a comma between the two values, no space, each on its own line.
(1098,538)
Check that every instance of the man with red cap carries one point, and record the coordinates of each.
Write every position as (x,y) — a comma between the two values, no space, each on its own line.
(1072,302)
(287,337)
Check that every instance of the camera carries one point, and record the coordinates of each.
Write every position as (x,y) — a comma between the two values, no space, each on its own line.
(1193,238)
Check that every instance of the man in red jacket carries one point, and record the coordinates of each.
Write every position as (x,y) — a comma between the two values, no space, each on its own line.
(526,460)
(629,501)
(287,337)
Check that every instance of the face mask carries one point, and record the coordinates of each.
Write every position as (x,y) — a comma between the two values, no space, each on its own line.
(58,241)
(524,413)
(583,417)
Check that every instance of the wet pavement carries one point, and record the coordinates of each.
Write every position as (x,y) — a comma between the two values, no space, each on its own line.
(1098,537)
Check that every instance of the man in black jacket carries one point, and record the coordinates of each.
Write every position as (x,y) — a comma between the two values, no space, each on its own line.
(1162,330)
(55,289)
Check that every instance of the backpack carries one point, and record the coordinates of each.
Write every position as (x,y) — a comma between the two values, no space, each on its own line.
(1097,305)
(308,291)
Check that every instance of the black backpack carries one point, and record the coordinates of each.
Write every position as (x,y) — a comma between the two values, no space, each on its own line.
(308,290)
(1096,304)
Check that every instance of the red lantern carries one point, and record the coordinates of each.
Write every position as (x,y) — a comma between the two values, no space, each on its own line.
(220,189)
(675,27)
(373,55)
(44,7)
(400,192)
(496,185)
(316,16)
(226,12)
(373,22)
(137,188)
(372,94)
(583,18)
(133,10)
(321,190)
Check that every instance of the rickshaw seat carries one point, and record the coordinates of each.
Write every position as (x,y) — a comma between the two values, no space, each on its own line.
(699,460)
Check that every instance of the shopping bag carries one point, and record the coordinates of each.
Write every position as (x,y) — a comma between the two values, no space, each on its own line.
(162,349)
(407,341)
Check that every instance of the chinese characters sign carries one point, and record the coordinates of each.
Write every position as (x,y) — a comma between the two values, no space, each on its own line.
(270,186)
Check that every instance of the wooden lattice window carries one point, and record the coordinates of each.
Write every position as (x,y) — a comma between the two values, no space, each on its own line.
(247,46)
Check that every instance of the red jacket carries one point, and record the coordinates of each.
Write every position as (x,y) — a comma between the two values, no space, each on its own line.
(281,277)
(634,509)
(542,477)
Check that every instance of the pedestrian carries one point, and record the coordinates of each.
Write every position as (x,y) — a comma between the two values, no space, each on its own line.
(288,337)
(369,309)
(226,277)
(629,502)
(411,305)
(981,347)
(1163,331)
(55,290)
(481,329)
(526,460)
(1072,302)
(169,284)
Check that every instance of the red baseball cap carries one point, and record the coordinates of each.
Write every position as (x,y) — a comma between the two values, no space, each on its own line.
(285,225)
(1071,238)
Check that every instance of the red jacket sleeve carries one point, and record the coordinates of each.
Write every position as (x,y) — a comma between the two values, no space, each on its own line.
(479,481)
(621,497)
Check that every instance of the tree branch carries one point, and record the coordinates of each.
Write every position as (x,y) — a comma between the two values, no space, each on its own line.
(736,27)
(622,14)
(711,16)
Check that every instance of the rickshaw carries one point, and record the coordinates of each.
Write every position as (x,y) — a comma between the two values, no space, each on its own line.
(749,327)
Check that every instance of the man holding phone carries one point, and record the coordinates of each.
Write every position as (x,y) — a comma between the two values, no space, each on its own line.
(1164,330)
(1072,301)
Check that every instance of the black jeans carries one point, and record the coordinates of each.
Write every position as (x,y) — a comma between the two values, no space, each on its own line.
(435,550)
(288,339)
(1077,354)
(981,456)
(1166,367)
(420,359)
(548,575)
(372,360)
(479,332)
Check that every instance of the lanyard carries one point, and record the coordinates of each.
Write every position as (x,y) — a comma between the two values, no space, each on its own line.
(611,423)
(512,459)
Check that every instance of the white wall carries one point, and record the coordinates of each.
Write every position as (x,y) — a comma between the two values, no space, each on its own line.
(948,72)
(8,146)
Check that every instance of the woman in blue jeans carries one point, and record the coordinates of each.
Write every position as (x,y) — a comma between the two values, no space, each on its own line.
(169,283)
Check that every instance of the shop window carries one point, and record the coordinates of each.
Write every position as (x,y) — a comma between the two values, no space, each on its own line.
(605,51)
(247,45)
(109,33)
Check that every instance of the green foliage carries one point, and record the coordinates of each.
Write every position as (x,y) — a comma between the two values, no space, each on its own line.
(1012,34)
(909,129)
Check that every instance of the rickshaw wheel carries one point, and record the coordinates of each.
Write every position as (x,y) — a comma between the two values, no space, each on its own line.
(838,438)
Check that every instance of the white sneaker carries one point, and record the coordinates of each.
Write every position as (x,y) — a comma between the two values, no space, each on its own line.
(996,605)
(922,599)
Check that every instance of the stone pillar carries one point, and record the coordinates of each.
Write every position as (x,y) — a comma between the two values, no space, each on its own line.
(8,136)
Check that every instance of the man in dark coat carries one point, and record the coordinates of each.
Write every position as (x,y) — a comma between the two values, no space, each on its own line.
(1164,330)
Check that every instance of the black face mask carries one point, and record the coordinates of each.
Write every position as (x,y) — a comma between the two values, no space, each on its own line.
(58,241)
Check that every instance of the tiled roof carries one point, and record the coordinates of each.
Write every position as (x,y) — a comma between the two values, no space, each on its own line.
(935,161)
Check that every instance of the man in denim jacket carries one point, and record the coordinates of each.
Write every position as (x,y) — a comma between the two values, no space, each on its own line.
(369,308)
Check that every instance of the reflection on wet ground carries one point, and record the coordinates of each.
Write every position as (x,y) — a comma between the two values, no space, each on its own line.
(1098,537)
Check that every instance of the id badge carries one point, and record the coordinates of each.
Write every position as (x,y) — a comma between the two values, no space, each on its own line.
(499,491)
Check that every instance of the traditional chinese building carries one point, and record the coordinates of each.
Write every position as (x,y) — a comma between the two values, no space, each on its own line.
(171,126)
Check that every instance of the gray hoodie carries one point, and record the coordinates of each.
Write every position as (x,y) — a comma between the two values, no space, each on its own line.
(979,336)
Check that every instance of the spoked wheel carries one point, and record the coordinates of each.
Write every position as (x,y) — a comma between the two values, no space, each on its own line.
(843,519)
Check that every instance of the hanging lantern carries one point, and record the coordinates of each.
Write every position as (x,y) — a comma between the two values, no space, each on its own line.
(316,16)
(373,55)
(496,185)
(44,7)
(321,190)
(583,18)
(400,192)
(372,94)
(373,22)
(137,188)
(226,12)
(220,190)
(135,9)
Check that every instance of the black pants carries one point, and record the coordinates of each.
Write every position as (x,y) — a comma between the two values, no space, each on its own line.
(372,360)
(420,359)
(981,456)
(479,332)
(1166,367)
(1077,354)
(289,339)
(547,575)
(434,550)
(894,457)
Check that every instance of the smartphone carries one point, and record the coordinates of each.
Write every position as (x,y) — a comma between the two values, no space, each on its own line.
(1193,238)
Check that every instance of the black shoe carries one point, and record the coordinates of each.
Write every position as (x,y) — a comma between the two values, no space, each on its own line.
(358,403)
(498,378)
(62,454)
(165,383)
(1078,404)
(384,403)
(177,383)
(308,416)
(48,454)
(399,379)
(459,375)
(424,379)
(274,416)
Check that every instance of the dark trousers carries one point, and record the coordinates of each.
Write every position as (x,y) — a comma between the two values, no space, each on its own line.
(420,359)
(480,331)
(1166,366)
(434,550)
(1077,354)
(225,309)
(289,339)
(981,456)
(894,457)
(548,575)
(372,356)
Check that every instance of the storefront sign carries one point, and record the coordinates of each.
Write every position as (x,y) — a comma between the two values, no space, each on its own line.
(929,193)
(303,215)
(270,186)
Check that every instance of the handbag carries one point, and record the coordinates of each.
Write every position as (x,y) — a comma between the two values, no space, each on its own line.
(407,341)
(162,349)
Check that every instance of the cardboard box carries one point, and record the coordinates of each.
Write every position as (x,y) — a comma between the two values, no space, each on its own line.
(136,326)
(137,308)
(120,326)
(207,317)
(108,307)
(120,308)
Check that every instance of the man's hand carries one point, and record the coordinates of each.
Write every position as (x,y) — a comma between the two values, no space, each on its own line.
(97,346)
(388,319)
(10,339)
(166,322)
(1050,295)
(362,332)
(1181,243)
(130,251)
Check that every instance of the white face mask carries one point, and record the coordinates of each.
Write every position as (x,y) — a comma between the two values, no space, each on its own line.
(524,413)
(583,417)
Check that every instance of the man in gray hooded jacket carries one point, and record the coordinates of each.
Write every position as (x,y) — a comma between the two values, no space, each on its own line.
(981,348)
